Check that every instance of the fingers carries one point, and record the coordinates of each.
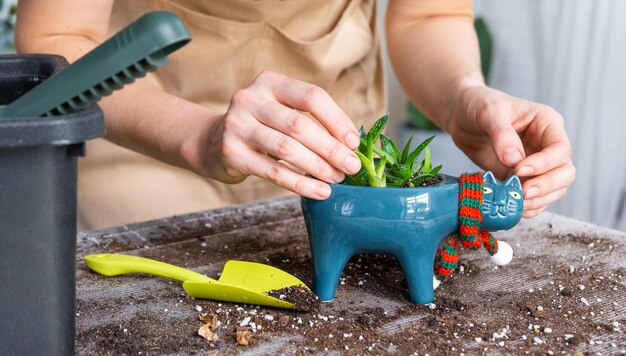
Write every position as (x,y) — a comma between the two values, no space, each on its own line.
(527,139)
(262,166)
(298,126)
(527,214)
(545,189)
(555,150)
(310,98)
(506,142)
(239,160)
(543,201)
(290,150)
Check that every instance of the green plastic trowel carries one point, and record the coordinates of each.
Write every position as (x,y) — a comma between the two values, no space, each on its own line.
(139,48)
(240,281)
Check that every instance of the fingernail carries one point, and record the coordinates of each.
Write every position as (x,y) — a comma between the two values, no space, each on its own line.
(511,156)
(532,192)
(352,140)
(352,164)
(322,191)
(525,171)
(338,177)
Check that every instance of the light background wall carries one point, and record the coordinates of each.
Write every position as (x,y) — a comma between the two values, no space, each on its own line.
(571,55)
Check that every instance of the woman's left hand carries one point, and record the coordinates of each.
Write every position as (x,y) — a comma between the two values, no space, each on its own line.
(508,135)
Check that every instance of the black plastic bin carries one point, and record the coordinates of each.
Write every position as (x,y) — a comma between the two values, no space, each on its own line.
(38,214)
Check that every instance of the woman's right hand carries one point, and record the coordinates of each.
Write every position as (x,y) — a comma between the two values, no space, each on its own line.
(264,126)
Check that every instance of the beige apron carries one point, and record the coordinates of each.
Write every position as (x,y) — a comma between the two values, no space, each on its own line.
(333,44)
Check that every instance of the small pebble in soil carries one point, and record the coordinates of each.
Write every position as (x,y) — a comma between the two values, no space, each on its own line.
(245,321)
(198,308)
(547,330)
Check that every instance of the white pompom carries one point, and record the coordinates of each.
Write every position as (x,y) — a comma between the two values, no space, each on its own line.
(504,254)
(436,282)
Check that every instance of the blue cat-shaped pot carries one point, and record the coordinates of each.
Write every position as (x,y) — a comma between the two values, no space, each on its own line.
(408,223)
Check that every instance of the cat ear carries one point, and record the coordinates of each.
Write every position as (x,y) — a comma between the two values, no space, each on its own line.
(514,181)
(488,177)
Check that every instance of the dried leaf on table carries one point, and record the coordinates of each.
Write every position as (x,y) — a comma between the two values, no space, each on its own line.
(244,333)
(206,332)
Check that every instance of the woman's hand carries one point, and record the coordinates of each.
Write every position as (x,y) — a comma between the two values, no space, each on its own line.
(265,125)
(508,135)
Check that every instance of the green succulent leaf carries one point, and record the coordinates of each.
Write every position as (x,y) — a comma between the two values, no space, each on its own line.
(417,170)
(435,170)
(380,152)
(366,163)
(363,146)
(377,128)
(360,178)
(427,163)
(363,143)
(394,181)
(405,151)
(378,182)
(416,152)
(401,171)
(390,148)
(380,167)
(362,131)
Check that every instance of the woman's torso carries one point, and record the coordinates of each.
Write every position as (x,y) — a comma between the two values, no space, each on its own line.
(333,44)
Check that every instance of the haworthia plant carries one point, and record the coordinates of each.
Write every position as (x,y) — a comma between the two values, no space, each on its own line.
(390,167)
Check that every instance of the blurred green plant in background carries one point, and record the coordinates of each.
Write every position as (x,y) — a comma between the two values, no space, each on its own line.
(7,25)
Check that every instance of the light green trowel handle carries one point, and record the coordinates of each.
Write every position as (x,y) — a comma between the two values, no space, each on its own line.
(115,264)
(141,47)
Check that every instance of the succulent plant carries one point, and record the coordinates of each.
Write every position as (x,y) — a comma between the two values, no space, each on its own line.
(386,166)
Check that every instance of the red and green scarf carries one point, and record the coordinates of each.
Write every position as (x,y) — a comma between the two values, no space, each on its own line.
(469,235)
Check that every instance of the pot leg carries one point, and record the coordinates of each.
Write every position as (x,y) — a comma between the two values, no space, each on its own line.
(328,263)
(418,269)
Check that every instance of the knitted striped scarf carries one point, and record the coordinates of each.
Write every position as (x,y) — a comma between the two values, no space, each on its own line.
(469,234)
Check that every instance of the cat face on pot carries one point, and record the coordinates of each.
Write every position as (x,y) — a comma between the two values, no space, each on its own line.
(503,203)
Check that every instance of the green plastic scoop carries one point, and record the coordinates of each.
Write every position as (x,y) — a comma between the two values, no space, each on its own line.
(139,48)
(240,281)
